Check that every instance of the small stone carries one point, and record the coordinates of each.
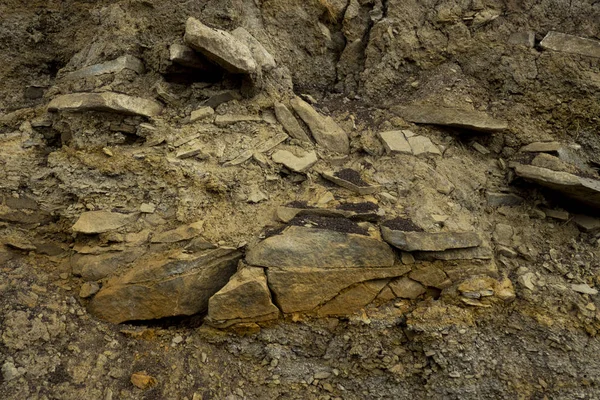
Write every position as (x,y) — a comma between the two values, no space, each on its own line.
(430,275)
(322,375)
(256,195)
(177,339)
(591,306)
(407,288)
(503,199)
(340,180)
(480,148)
(263,58)
(88,289)
(91,222)
(110,67)
(201,113)
(395,142)
(186,56)
(407,258)
(526,39)
(542,147)
(230,119)
(454,374)
(587,223)
(423,146)
(190,151)
(143,381)
(556,214)
(294,163)
(179,234)
(571,44)
(584,288)
(107,151)
(526,280)
(147,208)
(290,123)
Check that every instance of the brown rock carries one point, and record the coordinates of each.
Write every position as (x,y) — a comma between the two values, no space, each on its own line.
(143,381)
(407,288)
(353,299)
(430,275)
(184,232)
(474,120)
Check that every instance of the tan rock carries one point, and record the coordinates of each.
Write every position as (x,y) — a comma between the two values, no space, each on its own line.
(263,58)
(91,222)
(430,275)
(290,123)
(353,299)
(571,44)
(473,120)
(423,146)
(179,234)
(407,288)
(110,67)
(423,241)
(88,289)
(106,101)
(395,142)
(293,162)
(142,380)
(201,113)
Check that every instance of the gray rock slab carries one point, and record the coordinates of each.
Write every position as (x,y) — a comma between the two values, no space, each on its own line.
(571,44)
(423,146)
(110,67)
(473,120)
(423,241)
(542,147)
(107,101)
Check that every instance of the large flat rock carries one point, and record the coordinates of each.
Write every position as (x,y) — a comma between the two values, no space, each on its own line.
(220,47)
(423,241)
(320,248)
(584,190)
(158,288)
(107,101)
(473,120)
(92,222)
(571,44)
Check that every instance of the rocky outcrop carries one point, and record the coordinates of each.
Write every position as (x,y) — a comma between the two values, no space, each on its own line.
(472,120)
(107,101)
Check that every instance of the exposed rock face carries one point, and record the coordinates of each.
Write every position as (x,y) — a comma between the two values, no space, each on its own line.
(91,222)
(422,241)
(160,288)
(571,44)
(220,47)
(109,67)
(107,101)
(473,120)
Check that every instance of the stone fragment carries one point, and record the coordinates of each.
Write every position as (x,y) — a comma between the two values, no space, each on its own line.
(192,150)
(290,123)
(423,241)
(294,163)
(505,290)
(10,371)
(303,289)
(556,214)
(526,39)
(553,163)
(91,222)
(362,188)
(287,213)
(185,232)
(526,280)
(352,299)
(423,146)
(110,67)
(320,248)
(147,208)
(142,380)
(584,289)
(541,147)
(263,58)
(93,267)
(106,101)
(186,56)
(587,223)
(480,148)
(458,270)
(395,142)
(88,289)
(245,297)
(222,97)
(497,199)
(430,275)
(473,120)
(158,288)
(220,47)
(571,44)
(407,288)
(470,253)
(226,120)
(202,113)
(325,130)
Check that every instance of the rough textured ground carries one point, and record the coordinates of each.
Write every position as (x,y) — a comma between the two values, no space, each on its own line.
(360,61)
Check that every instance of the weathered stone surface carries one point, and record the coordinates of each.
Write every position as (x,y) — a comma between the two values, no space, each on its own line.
(423,241)
(584,190)
(496,199)
(548,161)
(107,101)
(470,253)
(184,232)
(88,289)
(290,123)
(542,147)
(362,190)
(186,56)
(304,289)
(584,288)
(320,248)
(353,299)
(263,58)
(395,142)
(159,288)
(201,113)
(110,67)
(286,214)
(473,120)
(525,38)
(245,297)
(407,288)
(430,275)
(324,130)
(93,267)
(458,270)
(230,119)
(297,164)
(423,146)
(587,223)
(91,222)
(571,44)
(219,46)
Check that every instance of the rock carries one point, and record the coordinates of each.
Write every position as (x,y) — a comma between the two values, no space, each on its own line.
(407,288)
(325,130)
(505,290)
(262,57)
(495,199)
(158,288)
(226,120)
(301,289)
(320,248)
(179,234)
(192,150)
(245,297)
(352,299)
(110,67)
(287,213)
(147,208)
(571,44)
(473,120)
(220,47)
(294,163)
(556,214)
(88,289)
(91,222)
(9,371)
(106,101)
(95,267)
(526,39)
(395,142)
(584,190)
(526,280)
(142,380)
(430,275)
(584,288)
(471,253)
(423,241)
(351,180)
(480,148)
(548,161)
(423,146)
(503,234)
(186,56)
(201,113)
(290,123)
(541,147)
(587,223)
(222,97)
(256,195)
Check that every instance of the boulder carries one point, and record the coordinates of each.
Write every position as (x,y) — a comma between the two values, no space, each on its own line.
(159,287)
(91,222)
(423,241)
(110,67)
(325,130)
(106,101)
(473,120)
(220,47)
(290,123)
(320,248)
(571,44)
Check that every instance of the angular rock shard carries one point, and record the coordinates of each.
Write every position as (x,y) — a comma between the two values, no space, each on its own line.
(91,222)
(184,232)
(290,123)
(245,297)
(263,58)
(407,288)
(353,299)
(186,56)
(110,67)
(107,101)
(158,288)
(473,120)
(395,142)
(423,241)
(220,47)
(297,164)
(325,130)
(320,248)
(571,44)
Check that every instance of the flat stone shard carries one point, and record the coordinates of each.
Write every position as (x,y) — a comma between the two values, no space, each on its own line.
(110,67)
(542,147)
(407,288)
(107,101)
(201,113)
(297,164)
(290,123)
(473,120)
(571,44)
(362,189)
(320,248)
(91,222)
(353,299)
(186,56)
(158,288)
(304,289)
(423,146)
(423,241)
(430,275)
(220,47)
(245,297)
(325,130)
(263,58)
(395,142)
